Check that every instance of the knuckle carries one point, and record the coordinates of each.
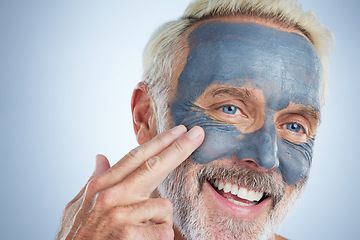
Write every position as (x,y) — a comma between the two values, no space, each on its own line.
(178,146)
(92,187)
(143,150)
(134,152)
(153,164)
(160,140)
(166,205)
(104,199)
(138,153)
(118,215)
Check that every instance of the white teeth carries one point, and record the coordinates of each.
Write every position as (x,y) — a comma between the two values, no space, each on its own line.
(241,192)
(249,195)
(234,189)
(255,196)
(221,185)
(227,187)
(216,183)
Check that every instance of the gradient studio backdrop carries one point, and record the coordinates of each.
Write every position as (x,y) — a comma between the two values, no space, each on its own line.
(67,71)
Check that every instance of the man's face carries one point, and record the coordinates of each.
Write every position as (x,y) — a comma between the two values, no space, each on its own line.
(256,91)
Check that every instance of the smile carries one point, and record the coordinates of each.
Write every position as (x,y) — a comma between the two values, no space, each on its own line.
(241,196)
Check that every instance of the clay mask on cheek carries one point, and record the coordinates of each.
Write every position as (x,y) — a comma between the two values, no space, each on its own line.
(283,65)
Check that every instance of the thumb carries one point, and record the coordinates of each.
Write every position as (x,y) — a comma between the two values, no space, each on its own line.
(102,165)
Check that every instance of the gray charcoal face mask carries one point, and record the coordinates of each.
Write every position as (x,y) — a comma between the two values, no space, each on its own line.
(283,66)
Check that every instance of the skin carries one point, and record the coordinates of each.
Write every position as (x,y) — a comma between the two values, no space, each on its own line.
(116,202)
(251,68)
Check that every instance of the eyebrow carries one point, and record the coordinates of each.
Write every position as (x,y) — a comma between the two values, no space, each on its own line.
(236,92)
(310,111)
(247,94)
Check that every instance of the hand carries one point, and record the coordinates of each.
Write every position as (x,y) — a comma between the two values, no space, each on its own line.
(115,202)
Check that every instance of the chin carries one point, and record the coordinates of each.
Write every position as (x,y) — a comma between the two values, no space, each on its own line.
(245,205)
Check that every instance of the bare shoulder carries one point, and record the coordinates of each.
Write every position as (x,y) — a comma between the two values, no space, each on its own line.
(277,237)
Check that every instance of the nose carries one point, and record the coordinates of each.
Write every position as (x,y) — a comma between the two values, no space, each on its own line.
(261,149)
(266,150)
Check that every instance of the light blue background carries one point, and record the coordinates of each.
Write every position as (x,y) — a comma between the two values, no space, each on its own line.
(67,70)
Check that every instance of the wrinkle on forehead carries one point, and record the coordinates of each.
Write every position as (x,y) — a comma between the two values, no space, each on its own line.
(222,52)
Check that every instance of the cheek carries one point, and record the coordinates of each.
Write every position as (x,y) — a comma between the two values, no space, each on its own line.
(295,161)
(219,143)
(221,140)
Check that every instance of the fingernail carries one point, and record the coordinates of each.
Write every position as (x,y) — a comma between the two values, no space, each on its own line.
(194,132)
(178,130)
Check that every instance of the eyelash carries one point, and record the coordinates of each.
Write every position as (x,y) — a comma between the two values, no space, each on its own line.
(297,123)
(238,109)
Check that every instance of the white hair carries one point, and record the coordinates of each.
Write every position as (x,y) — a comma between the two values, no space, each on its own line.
(165,49)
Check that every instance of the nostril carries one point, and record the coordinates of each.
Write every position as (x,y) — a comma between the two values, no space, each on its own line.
(251,164)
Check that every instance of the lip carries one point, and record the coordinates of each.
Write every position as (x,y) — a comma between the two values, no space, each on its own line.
(229,208)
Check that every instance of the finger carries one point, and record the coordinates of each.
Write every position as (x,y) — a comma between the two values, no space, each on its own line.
(138,156)
(127,231)
(155,210)
(158,231)
(102,165)
(146,178)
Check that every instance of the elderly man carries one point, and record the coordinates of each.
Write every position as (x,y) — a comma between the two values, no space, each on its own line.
(240,83)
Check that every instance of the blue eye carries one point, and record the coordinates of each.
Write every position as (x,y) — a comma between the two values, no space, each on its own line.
(294,127)
(229,109)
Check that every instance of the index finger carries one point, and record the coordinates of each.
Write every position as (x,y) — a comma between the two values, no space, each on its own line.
(138,156)
(148,176)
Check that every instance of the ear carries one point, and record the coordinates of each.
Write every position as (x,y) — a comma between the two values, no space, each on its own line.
(144,114)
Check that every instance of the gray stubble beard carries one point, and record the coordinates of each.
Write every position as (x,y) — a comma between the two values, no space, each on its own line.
(189,207)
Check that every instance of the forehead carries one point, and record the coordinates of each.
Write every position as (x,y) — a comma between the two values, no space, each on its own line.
(284,65)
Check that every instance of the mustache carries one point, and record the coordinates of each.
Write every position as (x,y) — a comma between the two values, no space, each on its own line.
(259,181)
